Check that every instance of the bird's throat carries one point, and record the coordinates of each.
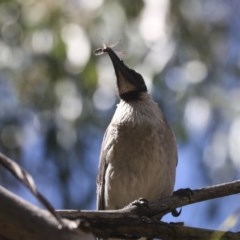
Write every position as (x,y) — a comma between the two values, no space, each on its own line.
(130,96)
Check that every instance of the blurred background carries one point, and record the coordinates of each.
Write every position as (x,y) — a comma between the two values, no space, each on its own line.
(57,98)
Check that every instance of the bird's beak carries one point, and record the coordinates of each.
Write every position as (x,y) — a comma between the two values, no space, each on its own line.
(118,64)
(128,81)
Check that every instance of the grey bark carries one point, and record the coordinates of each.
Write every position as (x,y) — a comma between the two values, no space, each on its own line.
(22,220)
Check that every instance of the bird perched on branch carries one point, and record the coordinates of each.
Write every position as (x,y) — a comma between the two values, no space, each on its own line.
(138,155)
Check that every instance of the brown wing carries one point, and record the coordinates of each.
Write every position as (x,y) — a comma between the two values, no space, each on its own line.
(108,141)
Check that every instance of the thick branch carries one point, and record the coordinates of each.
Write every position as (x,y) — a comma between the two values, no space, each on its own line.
(166,205)
(125,225)
(21,220)
(25,178)
(130,220)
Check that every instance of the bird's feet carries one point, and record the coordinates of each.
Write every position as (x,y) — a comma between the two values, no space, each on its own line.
(140,203)
(184,192)
(176,213)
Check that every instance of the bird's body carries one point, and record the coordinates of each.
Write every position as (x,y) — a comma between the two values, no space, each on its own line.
(139,154)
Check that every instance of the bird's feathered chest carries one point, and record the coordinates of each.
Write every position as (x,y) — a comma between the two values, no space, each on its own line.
(137,113)
(136,131)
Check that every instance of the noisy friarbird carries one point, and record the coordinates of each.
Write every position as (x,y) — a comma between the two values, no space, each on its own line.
(139,154)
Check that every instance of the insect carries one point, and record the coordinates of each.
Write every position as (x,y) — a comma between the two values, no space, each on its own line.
(100,51)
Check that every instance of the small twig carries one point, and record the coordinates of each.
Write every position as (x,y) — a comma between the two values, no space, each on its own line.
(24,177)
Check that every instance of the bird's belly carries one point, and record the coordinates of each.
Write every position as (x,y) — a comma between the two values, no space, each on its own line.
(143,172)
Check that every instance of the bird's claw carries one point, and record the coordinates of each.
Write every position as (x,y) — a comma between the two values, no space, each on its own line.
(184,192)
(141,203)
(176,213)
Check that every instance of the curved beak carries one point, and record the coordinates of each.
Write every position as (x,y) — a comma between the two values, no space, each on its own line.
(129,82)
(118,64)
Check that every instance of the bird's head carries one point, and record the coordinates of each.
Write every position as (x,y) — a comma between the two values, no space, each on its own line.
(130,83)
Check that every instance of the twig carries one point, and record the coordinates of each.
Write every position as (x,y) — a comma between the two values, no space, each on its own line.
(24,177)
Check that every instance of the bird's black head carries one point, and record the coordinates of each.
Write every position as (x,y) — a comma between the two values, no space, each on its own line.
(130,83)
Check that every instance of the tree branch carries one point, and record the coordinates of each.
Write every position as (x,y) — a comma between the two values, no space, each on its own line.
(166,205)
(134,221)
(21,220)
(25,178)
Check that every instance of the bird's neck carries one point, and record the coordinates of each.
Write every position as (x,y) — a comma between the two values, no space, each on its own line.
(131,95)
(138,112)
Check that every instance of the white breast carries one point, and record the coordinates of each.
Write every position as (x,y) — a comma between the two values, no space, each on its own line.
(142,159)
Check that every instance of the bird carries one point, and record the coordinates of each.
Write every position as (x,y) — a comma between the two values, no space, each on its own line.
(138,156)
